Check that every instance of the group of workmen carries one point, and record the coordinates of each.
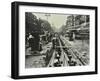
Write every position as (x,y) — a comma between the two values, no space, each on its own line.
(35,42)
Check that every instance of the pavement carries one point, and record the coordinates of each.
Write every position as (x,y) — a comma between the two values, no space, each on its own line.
(36,59)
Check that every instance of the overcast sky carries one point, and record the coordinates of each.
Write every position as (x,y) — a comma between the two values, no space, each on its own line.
(54,19)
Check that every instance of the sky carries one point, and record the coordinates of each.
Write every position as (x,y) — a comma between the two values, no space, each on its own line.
(56,20)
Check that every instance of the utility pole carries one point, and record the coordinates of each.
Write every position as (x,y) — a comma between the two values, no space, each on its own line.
(47,15)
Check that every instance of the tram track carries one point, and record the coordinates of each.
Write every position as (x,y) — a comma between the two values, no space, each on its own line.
(63,58)
(75,54)
(64,50)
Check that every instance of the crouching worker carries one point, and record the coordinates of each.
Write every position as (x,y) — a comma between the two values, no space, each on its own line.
(71,62)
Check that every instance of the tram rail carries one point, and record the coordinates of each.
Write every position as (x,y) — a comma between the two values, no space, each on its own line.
(66,52)
(75,53)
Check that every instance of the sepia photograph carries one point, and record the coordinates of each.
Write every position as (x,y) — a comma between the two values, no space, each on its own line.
(56,40)
(50,40)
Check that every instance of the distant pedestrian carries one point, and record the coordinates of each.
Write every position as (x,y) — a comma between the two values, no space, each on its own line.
(31,42)
(29,39)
